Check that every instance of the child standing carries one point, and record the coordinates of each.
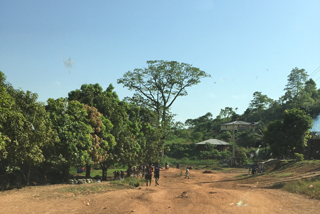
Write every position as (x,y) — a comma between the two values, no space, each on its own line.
(187,173)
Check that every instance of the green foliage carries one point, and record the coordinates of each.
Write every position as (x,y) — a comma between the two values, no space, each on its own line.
(149,134)
(137,136)
(101,138)
(70,122)
(111,131)
(298,157)
(115,118)
(226,155)
(302,187)
(197,137)
(289,135)
(244,158)
(27,129)
(260,101)
(284,175)
(296,80)
(227,112)
(225,136)
(179,150)
(159,85)
(248,139)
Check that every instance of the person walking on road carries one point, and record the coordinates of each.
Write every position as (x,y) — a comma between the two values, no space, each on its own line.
(149,174)
(157,174)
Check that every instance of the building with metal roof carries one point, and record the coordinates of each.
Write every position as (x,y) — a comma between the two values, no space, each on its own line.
(238,125)
(220,145)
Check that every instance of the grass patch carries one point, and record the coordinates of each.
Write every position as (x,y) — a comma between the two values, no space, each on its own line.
(284,175)
(296,164)
(85,189)
(96,172)
(132,181)
(242,176)
(277,185)
(301,187)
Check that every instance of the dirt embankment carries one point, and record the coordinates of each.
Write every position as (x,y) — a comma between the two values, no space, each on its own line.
(214,192)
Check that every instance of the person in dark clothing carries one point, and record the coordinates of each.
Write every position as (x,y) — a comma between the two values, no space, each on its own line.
(157,174)
(149,174)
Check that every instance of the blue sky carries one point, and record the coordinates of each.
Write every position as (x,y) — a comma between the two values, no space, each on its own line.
(246,46)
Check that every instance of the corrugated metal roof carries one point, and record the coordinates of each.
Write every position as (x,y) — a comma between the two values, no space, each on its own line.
(239,123)
(213,142)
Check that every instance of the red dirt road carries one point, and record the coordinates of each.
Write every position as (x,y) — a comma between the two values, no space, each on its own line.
(203,193)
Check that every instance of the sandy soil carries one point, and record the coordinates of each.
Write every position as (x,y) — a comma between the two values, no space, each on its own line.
(203,193)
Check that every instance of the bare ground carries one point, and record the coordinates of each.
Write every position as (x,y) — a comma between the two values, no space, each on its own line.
(215,192)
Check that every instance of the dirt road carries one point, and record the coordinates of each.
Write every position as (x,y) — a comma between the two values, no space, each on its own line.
(203,193)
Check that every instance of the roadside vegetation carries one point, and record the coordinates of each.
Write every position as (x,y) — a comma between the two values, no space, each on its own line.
(308,187)
(96,171)
(44,143)
(86,189)
(132,181)
(301,177)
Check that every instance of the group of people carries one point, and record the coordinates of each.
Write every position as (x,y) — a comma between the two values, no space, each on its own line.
(148,171)
(148,174)
(257,168)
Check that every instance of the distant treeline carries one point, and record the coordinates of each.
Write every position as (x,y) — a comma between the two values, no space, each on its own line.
(293,110)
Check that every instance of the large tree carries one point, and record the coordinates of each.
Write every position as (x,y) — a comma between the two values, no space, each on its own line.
(69,119)
(296,81)
(126,147)
(159,85)
(289,135)
(25,130)
(260,101)
(102,139)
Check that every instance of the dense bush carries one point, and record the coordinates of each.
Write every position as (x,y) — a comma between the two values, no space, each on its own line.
(298,157)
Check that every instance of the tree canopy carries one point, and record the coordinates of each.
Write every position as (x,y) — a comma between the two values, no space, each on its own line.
(290,134)
(161,83)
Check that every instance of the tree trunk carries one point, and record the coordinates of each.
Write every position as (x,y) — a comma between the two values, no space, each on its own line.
(65,171)
(104,171)
(25,179)
(129,170)
(88,170)
(28,176)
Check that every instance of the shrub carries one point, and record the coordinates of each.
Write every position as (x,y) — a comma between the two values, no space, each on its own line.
(226,155)
(244,158)
(299,157)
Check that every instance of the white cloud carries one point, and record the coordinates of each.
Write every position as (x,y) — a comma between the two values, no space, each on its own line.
(57,83)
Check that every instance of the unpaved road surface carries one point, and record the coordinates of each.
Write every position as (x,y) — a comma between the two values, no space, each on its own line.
(203,193)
